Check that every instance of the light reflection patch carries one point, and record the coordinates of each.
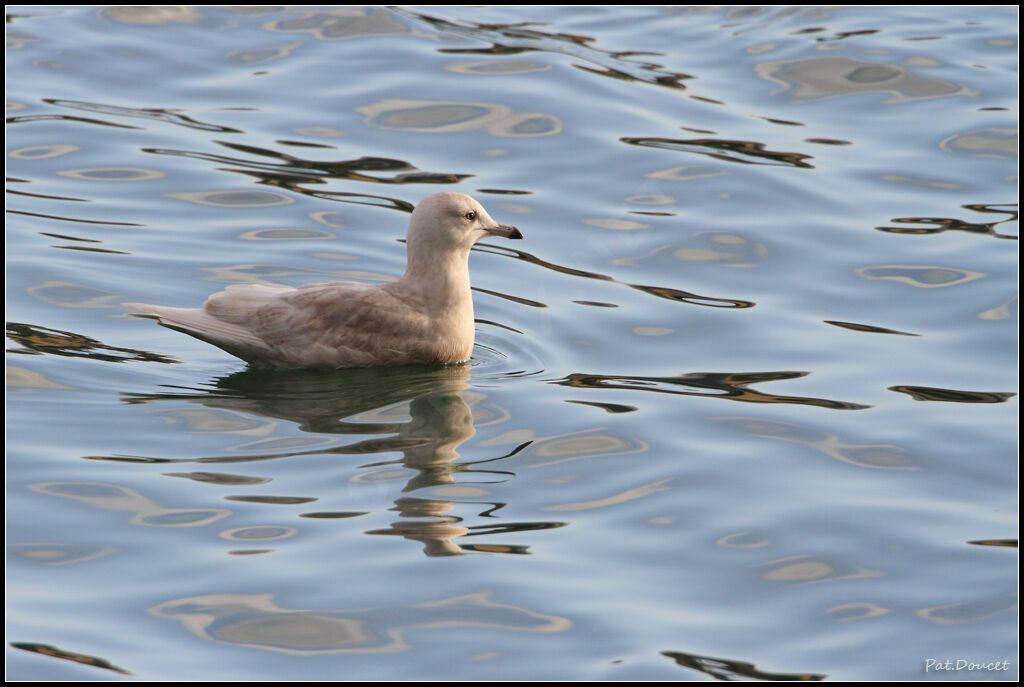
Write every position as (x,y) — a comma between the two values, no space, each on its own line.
(286,235)
(152,14)
(498,67)
(921,276)
(254,56)
(805,570)
(113,174)
(992,142)
(42,152)
(877,456)
(144,511)
(70,295)
(259,533)
(827,77)
(255,621)
(235,199)
(615,224)
(428,116)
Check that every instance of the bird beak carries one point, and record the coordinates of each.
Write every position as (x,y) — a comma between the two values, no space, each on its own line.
(506,231)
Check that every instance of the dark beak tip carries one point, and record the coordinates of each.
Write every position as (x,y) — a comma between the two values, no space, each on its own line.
(505,231)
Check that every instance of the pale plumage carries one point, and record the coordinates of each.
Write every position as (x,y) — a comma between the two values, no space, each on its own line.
(424,317)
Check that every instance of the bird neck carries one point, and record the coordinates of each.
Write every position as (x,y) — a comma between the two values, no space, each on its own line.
(439,278)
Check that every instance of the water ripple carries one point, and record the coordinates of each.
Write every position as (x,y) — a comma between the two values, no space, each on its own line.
(665,292)
(730,386)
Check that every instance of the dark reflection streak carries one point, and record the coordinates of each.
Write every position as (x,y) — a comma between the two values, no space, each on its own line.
(522,373)
(928,393)
(659,291)
(514,299)
(281,171)
(220,478)
(83,120)
(496,49)
(237,458)
(867,328)
(942,224)
(73,219)
(747,148)
(512,39)
(828,141)
(466,463)
(783,122)
(68,238)
(730,669)
(499,325)
(478,530)
(728,386)
(427,472)
(849,34)
(608,71)
(635,53)
(1007,543)
(295,171)
(511,453)
(367,199)
(490,512)
(349,169)
(145,460)
(497,353)
(528,257)
(272,500)
(91,249)
(995,208)
(306,144)
(505,475)
(285,173)
(48,197)
(446,469)
(338,169)
(492,548)
(54,652)
(607,407)
(357,448)
(56,342)
(292,182)
(143,113)
(692,298)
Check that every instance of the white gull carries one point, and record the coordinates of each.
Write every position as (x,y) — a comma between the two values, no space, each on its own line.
(424,317)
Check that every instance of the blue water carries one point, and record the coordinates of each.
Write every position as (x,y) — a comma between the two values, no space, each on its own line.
(742,403)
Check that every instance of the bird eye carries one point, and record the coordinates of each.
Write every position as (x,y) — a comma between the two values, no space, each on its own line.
(470,215)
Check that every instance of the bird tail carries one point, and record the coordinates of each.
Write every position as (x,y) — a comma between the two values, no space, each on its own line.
(233,338)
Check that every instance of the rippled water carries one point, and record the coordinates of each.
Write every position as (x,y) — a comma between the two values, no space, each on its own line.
(742,405)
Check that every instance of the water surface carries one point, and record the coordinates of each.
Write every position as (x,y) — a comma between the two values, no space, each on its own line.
(742,404)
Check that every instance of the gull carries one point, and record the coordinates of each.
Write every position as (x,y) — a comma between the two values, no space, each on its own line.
(424,317)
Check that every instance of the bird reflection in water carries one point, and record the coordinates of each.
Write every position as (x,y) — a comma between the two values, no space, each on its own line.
(419,412)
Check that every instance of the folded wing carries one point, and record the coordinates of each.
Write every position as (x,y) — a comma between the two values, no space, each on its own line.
(333,324)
